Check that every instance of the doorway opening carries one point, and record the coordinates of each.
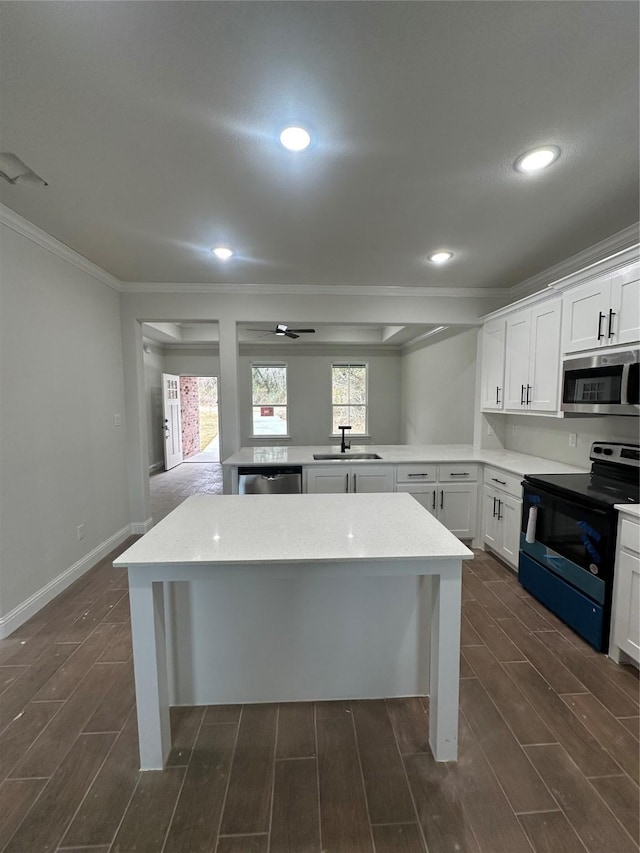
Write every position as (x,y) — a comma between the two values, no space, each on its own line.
(200,418)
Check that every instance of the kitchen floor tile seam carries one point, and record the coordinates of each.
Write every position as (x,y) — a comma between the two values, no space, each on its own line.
(406,777)
(179,794)
(364,787)
(228,782)
(273,775)
(315,736)
(618,821)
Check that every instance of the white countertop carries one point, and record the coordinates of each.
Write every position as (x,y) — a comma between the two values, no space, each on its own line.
(295,528)
(398,454)
(632,510)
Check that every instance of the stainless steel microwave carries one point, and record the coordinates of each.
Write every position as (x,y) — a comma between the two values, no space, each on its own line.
(605,383)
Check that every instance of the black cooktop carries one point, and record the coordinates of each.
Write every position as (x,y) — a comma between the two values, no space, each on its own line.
(598,491)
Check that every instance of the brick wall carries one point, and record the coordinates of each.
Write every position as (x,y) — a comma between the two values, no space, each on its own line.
(190,416)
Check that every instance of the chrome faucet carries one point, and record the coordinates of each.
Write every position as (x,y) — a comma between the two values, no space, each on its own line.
(343,444)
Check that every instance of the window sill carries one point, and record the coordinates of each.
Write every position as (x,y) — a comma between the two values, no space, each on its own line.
(269,438)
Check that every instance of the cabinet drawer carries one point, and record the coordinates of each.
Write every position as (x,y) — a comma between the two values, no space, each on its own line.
(509,483)
(460,472)
(416,473)
(630,535)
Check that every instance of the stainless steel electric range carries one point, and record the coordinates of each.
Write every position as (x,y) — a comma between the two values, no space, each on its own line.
(568,537)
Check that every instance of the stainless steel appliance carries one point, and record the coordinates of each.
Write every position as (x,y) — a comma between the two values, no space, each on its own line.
(602,384)
(568,537)
(270,480)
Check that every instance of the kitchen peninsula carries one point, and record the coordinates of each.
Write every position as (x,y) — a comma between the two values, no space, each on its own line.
(295,597)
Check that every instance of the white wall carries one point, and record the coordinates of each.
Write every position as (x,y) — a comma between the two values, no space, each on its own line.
(309,395)
(438,391)
(61,456)
(549,437)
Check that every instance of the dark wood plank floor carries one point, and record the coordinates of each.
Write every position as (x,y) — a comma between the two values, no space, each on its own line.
(549,747)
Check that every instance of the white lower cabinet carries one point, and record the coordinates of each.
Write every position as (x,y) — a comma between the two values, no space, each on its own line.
(334,479)
(501,514)
(625,614)
(440,491)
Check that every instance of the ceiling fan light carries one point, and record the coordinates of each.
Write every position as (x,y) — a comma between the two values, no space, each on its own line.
(222,252)
(537,158)
(441,256)
(295,138)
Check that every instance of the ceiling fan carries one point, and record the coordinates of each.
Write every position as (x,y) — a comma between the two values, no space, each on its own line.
(284,331)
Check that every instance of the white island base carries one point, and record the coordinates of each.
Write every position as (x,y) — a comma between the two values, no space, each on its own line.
(295,597)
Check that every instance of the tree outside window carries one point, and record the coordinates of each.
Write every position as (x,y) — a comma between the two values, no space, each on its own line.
(349,397)
(269,399)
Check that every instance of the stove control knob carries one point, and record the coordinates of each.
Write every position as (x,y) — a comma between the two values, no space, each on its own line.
(608,451)
(597,450)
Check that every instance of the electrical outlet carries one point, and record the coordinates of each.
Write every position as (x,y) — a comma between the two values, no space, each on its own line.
(490,430)
(117,420)
(80,531)
(573,439)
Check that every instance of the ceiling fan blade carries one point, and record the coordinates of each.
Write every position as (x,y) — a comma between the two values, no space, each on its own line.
(302,330)
(290,334)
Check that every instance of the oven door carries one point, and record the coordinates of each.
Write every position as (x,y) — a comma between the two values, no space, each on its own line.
(573,541)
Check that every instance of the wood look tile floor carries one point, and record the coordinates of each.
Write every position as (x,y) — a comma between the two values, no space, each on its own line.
(549,746)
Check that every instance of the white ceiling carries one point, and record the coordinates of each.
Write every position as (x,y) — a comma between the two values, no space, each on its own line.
(155,125)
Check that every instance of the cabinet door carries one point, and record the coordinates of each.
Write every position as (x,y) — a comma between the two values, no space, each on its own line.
(489,516)
(585,312)
(544,362)
(456,508)
(517,360)
(626,619)
(624,325)
(493,344)
(425,495)
(371,478)
(510,511)
(330,479)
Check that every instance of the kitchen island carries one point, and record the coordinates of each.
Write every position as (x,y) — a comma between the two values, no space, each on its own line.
(341,590)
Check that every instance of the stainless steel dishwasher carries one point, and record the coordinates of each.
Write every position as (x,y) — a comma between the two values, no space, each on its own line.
(270,480)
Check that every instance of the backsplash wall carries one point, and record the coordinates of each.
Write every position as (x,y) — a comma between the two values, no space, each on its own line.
(549,437)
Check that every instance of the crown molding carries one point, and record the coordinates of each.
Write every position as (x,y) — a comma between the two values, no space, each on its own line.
(313,289)
(22,226)
(606,255)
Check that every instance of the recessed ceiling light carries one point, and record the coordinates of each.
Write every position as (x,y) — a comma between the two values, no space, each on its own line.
(295,138)
(222,252)
(440,257)
(538,158)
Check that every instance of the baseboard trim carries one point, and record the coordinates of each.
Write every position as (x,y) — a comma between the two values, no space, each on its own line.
(142,527)
(19,615)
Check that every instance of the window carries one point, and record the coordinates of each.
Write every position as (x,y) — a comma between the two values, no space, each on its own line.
(269,399)
(349,397)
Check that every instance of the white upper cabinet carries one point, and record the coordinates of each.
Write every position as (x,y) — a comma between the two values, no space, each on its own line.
(603,312)
(532,363)
(493,343)
(625,301)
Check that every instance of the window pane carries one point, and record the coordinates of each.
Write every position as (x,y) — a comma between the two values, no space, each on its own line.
(340,384)
(269,384)
(340,417)
(269,420)
(358,385)
(358,419)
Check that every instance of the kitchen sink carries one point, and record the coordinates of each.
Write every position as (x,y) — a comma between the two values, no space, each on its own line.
(345,456)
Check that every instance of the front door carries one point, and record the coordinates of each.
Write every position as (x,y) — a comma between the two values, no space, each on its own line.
(171,422)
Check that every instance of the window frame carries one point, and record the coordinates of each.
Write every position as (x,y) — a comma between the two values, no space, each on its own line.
(269,363)
(351,363)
